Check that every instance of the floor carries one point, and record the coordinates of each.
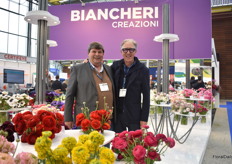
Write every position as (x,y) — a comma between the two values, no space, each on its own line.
(219,148)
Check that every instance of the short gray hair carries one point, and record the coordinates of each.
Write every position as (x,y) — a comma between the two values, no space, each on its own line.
(129,40)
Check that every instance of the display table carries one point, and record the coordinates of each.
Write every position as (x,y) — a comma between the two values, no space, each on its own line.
(25,147)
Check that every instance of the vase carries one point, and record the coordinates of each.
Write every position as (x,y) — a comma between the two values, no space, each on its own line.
(159,109)
(203,119)
(195,118)
(184,120)
(3,117)
(177,117)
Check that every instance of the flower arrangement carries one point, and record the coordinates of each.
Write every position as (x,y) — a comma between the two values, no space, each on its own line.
(182,107)
(188,92)
(31,126)
(7,150)
(7,130)
(199,108)
(86,150)
(96,120)
(160,98)
(141,146)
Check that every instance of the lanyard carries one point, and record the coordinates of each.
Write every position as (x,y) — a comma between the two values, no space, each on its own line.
(126,70)
(94,69)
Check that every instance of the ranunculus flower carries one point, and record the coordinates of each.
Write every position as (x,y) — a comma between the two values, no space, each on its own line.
(152,154)
(49,122)
(20,127)
(95,116)
(86,123)
(151,141)
(17,118)
(32,121)
(137,133)
(96,124)
(119,143)
(32,138)
(59,118)
(139,152)
(161,137)
(170,142)
(106,126)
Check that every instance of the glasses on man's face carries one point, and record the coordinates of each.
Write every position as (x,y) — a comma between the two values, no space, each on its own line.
(131,50)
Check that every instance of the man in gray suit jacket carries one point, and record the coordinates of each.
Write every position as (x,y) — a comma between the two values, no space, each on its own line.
(89,82)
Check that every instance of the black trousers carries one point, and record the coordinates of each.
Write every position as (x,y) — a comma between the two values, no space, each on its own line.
(122,124)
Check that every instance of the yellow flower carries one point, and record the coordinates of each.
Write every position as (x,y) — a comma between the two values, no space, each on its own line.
(69,143)
(95,161)
(106,153)
(83,138)
(96,138)
(80,154)
(105,161)
(60,153)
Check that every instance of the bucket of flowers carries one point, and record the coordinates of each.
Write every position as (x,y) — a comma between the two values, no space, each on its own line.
(31,126)
(141,146)
(87,150)
(97,120)
(159,99)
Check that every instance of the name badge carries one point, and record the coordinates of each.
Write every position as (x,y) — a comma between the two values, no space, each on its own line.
(122,93)
(104,87)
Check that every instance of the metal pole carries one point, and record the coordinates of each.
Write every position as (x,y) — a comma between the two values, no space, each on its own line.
(41,55)
(187,73)
(165,84)
(159,65)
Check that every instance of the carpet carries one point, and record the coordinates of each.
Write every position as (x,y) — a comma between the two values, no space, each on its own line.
(229,112)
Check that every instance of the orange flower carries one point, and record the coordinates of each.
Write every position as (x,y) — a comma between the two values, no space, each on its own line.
(102,112)
(95,116)
(96,124)
(85,123)
(106,126)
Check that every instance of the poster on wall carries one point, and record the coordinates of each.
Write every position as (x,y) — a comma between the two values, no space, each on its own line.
(111,22)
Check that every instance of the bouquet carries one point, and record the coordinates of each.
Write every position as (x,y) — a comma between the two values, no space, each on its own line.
(96,120)
(182,107)
(160,98)
(141,146)
(188,92)
(31,126)
(86,150)
(7,150)
(198,108)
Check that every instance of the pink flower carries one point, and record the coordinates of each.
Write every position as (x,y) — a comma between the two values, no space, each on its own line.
(137,133)
(5,146)
(145,126)
(161,137)
(152,154)
(170,142)
(119,143)
(139,152)
(151,141)
(25,158)
(6,158)
(123,134)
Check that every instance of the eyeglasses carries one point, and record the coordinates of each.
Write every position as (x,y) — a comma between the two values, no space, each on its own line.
(131,50)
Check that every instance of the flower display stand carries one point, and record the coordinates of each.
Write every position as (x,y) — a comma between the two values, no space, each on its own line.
(168,122)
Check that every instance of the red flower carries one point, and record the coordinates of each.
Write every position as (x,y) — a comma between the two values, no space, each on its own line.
(161,137)
(59,118)
(80,117)
(26,117)
(49,122)
(17,118)
(96,124)
(139,152)
(137,133)
(85,123)
(58,128)
(150,141)
(20,127)
(102,112)
(24,138)
(119,143)
(170,142)
(43,113)
(32,121)
(38,129)
(95,116)
(32,138)
(106,126)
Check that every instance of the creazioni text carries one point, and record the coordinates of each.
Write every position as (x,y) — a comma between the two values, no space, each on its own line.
(119,14)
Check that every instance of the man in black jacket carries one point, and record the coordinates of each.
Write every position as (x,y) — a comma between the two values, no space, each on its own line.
(131,79)
(57,84)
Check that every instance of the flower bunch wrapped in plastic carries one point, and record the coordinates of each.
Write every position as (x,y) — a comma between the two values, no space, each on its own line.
(86,150)
(31,126)
(182,108)
(141,146)
(160,98)
(98,120)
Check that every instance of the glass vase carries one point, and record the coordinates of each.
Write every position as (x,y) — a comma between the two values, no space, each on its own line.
(159,110)
(184,120)
(177,117)
(195,118)
(203,119)
(3,117)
